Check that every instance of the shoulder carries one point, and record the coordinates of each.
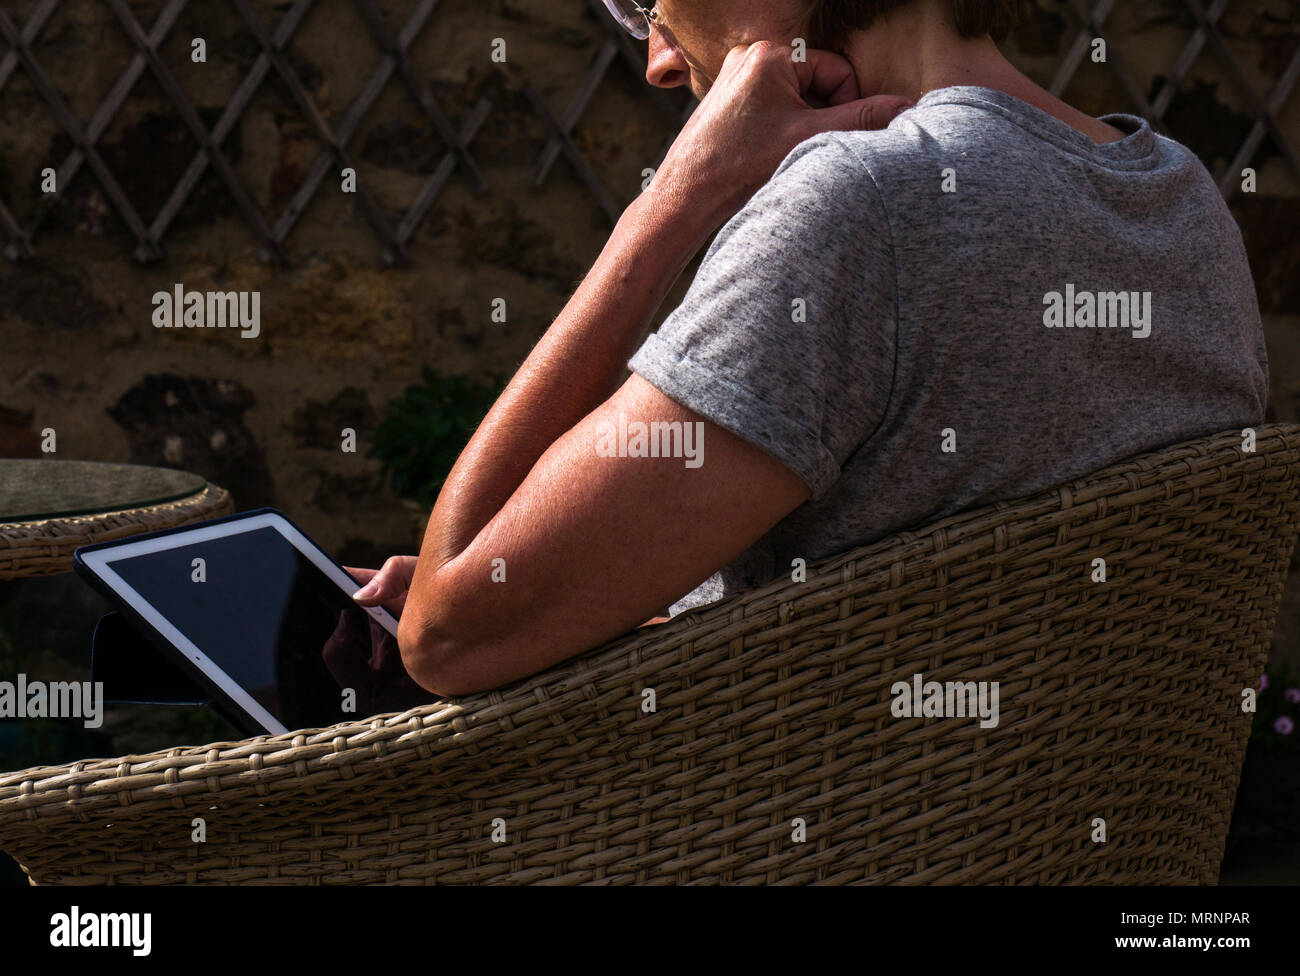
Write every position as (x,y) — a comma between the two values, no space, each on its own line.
(853,169)
(822,182)
(823,162)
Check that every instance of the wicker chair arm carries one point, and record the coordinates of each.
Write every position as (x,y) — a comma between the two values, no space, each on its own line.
(759,697)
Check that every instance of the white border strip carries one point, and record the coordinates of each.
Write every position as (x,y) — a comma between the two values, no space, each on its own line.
(100,561)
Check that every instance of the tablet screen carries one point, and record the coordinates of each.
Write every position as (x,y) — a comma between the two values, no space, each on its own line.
(282,630)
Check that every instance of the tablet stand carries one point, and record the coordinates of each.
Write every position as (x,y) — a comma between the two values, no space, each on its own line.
(134,672)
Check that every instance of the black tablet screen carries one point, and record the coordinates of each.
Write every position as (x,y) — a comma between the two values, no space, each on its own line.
(278,626)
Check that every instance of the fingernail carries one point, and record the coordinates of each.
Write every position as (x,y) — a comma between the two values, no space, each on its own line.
(365,591)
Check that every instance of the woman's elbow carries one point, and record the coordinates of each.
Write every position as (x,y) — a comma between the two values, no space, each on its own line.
(432,659)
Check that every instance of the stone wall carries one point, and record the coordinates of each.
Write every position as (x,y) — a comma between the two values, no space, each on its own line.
(343,332)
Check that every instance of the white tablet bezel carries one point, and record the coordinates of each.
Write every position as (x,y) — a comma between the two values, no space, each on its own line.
(100,562)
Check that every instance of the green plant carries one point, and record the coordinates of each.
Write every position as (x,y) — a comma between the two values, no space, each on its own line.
(424,430)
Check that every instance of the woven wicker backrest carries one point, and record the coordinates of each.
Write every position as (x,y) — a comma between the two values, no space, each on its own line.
(772,753)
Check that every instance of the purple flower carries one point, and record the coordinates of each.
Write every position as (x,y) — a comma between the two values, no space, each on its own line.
(1283,725)
(1292,695)
(1263,682)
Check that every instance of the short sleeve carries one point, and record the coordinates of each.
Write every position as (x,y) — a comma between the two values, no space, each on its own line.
(786,336)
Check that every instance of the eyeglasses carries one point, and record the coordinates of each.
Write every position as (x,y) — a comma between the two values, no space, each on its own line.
(634,18)
(638,20)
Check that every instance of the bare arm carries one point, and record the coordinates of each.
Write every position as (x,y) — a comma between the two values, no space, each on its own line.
(591,546)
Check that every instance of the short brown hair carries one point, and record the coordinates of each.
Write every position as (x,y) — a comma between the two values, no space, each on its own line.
(829,22)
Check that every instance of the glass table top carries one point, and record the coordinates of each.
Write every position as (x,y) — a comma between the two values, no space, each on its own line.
(41,489)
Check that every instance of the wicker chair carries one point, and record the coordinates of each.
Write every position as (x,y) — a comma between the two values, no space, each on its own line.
(771,753)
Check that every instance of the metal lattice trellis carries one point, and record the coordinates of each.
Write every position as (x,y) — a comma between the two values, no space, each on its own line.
(394,58)
(1091,25)
(394,47)
(618,45)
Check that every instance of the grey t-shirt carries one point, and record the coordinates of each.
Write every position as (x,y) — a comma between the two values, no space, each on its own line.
(980,277)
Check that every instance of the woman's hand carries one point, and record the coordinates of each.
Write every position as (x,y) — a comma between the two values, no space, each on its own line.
(363,656)
(763,104)
(387,585)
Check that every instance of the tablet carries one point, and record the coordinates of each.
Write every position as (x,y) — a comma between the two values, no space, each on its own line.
(259,616)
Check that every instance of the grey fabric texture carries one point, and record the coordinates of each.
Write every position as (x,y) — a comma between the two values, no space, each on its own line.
(888,294)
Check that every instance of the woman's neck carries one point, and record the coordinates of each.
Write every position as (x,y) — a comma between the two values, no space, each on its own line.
(915,50)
